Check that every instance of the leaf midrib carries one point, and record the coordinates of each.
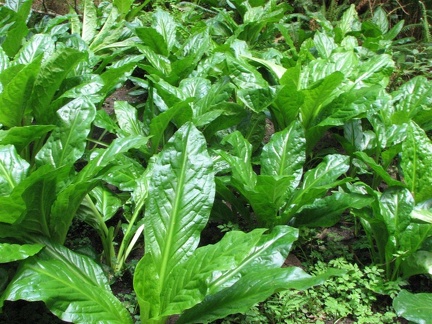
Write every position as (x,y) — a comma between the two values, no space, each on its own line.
(174,215)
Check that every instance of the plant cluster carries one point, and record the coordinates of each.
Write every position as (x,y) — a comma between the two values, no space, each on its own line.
(352,296)
(236,102)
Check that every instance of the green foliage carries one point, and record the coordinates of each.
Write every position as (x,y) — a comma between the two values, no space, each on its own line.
(353,295)
(250,114)
(413,307)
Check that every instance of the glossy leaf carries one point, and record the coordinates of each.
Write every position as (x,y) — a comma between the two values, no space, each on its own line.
(39,44)
(65,206)
(68,140)
(411,101)
(99,159)
(15,32)
(15,95)
(321,178)
(22,7)
(417,163)
(414,307)
(378,169)
(285,153)
(13,169)
(106,202)
(250,289)
(89,24)
(214,267)
(72,286)
(419,262)
(240,162)
(327,211)
(15,252)
(159,124)
(124,174)
(166,26)
(324,44)
(286,105)
(317,96)
(181,192)
(153,39)
(51,75)
(20,137)
(316,182)
(127,118)
(397,204)
(39,192)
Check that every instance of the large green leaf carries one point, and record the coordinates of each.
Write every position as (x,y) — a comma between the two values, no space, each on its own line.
(123,6)
(286,105)
(317,96)
(396,206)
(125,173)
(327,211)
(412,100)
(39,191)
(285,153)
(72,286)
(181,192)
(166,26)
(13,30)
(214,267)
(243,176)
(66,206)
(51,75)
(101,158)
(414,307)
(417,163)
(159,123)
(127,118)
(13,169)
(16,93)
(316,182)
(20,137)
(68,140)
(90,23)
(320,179)
(378,169)
(188,284)
(250,289)
(14,252)
(153,39)
(22,7)
(268,197)
(106,202)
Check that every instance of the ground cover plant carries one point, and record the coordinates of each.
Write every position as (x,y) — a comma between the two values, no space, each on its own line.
(254,121)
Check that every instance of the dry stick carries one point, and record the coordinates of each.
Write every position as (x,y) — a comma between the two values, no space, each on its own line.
(400,7)
(49,13)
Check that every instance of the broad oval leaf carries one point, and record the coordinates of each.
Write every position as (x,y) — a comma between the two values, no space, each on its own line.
(165,26)
(15,95)
(73,287)
(14,252)
(67,142)
(20,137)
(181,192)
(414,307)
(256,286)
(127,118)
(417,163)
(39,44)
(51,75)
(214,267)
(13,169)
(285,154)
(396,205)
